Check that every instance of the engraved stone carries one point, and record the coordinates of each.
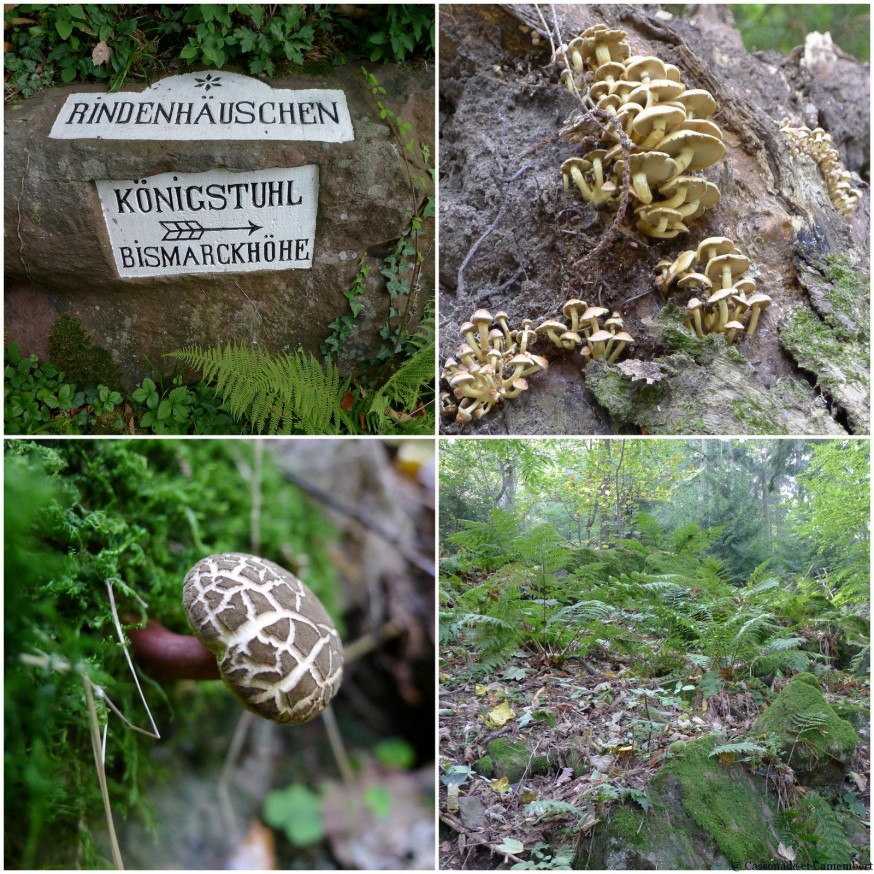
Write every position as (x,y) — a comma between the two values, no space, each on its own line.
(214,222)
(210,105)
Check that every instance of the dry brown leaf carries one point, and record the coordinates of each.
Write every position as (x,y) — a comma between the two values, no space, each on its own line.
(257,851)
(101,54)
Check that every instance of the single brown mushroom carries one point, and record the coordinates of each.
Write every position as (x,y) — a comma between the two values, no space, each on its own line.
(277,648)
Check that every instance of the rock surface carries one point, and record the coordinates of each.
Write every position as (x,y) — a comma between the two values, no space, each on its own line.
(513,239)
(57,257)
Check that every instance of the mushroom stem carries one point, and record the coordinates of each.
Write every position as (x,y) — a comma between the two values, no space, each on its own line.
(581,183)
(165,655)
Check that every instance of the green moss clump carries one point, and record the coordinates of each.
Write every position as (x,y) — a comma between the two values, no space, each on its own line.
(71,351)
(702,815)
(625,823)
(510,760)
(815,741)
(729,810)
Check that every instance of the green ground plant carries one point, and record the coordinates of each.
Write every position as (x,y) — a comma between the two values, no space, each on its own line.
(61,43)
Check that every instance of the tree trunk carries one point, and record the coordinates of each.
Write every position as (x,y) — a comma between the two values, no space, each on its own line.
(512,238)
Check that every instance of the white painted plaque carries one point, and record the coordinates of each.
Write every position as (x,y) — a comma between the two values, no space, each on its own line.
(214,222)
(211,105)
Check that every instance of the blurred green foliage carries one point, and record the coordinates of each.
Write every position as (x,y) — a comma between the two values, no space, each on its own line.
(782,26)
(137,514)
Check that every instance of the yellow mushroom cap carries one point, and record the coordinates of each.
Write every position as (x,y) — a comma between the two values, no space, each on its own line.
(692,150)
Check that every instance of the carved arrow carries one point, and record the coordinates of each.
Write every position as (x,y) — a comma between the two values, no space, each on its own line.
(194,230)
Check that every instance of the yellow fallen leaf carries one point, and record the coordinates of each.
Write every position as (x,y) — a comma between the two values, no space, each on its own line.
(526,796)
(480,689)
(500,716)
(501,786)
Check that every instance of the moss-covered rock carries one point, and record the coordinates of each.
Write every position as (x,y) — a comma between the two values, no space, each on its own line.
(734,401)
(512,760)
(814,740)
(703,815)
(86,365)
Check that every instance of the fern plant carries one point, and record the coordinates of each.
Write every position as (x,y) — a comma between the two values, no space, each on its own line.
(295,393)
(813,828)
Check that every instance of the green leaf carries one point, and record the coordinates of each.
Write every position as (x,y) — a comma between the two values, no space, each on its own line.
(378,800)
(298,811)
(65,28)
(395,752)
(511,845)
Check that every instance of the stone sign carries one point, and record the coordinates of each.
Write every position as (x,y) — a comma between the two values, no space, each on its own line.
(214,222)
(207,106)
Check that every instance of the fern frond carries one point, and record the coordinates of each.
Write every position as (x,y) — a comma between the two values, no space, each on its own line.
(738,749)
(859,658)
(280,394)
(403,389)
(781,644)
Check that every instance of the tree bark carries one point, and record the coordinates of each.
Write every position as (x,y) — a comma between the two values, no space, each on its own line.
(513,239)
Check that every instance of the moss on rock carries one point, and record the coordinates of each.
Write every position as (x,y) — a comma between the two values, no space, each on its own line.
(712,389)
(86,365)
(703,815)
(814,740)
(512,760)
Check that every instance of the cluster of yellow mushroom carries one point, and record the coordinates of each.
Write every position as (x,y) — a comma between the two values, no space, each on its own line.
(817,144)
(715,272)
(494,361)
(598,341)
(667,124)
(491,364)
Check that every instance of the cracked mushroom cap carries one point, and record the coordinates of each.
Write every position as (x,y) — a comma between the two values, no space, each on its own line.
(691,150)
(276,646)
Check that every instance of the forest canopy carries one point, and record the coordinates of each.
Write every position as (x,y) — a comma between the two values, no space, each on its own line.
(801,506)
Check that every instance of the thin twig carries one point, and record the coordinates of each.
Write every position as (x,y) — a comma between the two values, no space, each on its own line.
(474,247)
(329,501)
(337,746)
(369,642)
(221,790)
(96,746)
(154,733)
